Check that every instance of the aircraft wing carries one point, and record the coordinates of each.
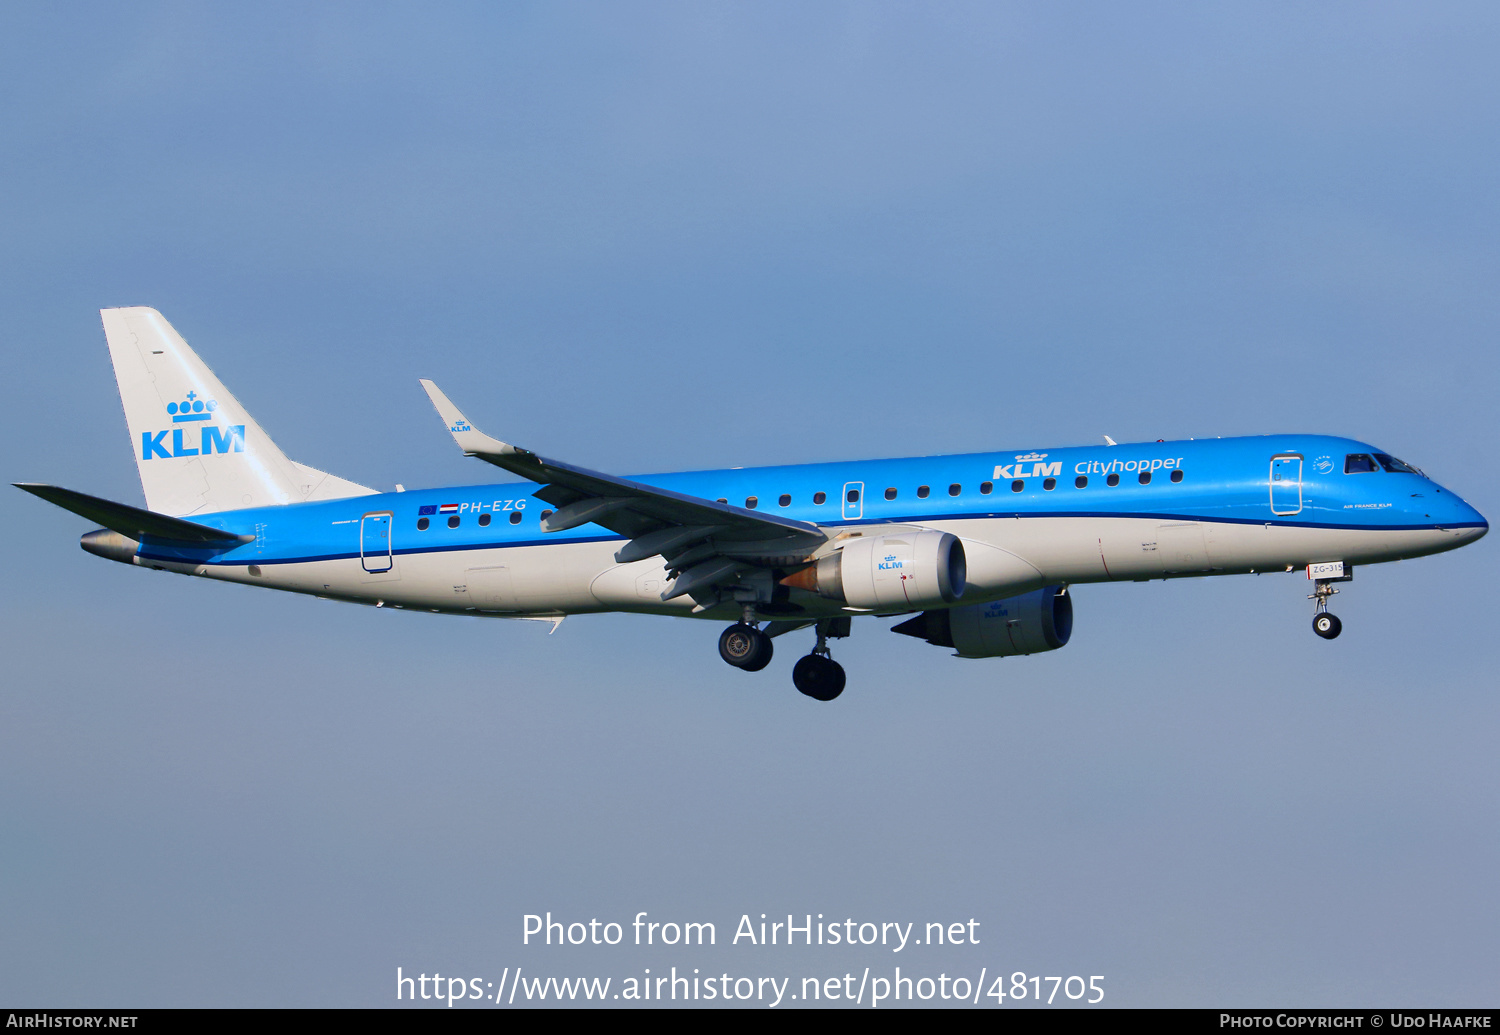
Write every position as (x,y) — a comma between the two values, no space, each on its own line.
(712,547)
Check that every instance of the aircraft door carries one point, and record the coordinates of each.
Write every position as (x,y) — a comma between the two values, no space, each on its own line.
(375,542)
(1286,484)
(854,500)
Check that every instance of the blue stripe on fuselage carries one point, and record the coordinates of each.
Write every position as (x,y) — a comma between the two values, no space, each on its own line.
(1223,480)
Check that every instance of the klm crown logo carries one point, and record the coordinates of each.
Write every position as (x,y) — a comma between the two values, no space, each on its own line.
(192,409)
(211,438)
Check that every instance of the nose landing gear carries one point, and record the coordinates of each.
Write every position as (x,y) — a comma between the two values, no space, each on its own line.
(1325,624)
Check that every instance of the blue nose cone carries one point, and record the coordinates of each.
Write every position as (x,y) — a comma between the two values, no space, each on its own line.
(1454,513)
(1481,525)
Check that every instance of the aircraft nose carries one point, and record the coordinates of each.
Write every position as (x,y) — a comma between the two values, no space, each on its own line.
(1475,524)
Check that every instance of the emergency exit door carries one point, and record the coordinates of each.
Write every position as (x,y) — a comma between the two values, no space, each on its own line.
(854,501)
(375,542)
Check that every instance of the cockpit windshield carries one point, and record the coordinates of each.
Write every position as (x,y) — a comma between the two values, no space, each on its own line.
(1365,463)
(1395,466)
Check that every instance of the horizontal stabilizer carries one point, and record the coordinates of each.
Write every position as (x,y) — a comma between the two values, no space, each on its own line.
(132,521)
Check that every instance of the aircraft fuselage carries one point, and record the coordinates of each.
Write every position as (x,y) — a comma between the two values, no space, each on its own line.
(1073,515)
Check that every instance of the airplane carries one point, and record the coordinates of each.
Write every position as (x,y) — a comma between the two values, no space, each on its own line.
(977,552)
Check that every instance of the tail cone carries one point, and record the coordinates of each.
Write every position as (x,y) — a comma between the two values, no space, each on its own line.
(105,543)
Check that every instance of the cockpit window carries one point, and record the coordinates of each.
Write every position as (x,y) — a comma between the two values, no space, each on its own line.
(1395,466)
(1359,463)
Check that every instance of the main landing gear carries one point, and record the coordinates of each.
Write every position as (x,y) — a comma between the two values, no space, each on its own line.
(746,646)
(819,677)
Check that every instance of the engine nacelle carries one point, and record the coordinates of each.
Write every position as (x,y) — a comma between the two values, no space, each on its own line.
(1026,624)
(898,571)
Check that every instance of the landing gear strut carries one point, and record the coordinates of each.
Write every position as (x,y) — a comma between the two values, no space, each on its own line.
(818,675)
(1325,624)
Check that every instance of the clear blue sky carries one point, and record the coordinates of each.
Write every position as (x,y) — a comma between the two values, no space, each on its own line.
(649,237)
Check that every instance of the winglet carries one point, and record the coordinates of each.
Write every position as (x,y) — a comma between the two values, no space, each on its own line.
(471,440)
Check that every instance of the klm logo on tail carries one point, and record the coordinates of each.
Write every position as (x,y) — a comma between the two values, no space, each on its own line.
(211,437)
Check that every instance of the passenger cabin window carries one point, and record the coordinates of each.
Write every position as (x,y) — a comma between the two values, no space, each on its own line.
(422,524)
(484,519)
(1359,463)
(515,517)
(890,494)
(955,489)
(923,491)
(1113,479)
(1177,475)
(985,488)
(853,496)
(721,499)
(1017,485)
(751,502)
(819,498)
(1081,482)
(1145,478)
(453,521)
(547,513)
(785,500)
(1049,484)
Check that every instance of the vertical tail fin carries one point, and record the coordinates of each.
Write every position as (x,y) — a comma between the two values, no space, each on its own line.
(196,448)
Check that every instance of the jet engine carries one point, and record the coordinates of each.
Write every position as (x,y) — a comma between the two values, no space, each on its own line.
(1026,624)
(901,571)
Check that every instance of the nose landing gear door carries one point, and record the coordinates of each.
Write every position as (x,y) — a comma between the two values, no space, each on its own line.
(1286,484)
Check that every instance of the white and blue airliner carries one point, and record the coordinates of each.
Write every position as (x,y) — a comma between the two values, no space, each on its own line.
(978,549)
